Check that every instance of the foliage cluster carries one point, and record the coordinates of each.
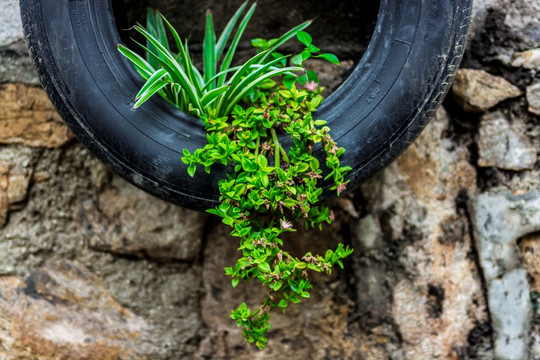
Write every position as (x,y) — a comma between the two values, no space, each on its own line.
(271,187)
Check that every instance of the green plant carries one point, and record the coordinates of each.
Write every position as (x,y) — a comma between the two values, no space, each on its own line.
(221,86)
(270,187)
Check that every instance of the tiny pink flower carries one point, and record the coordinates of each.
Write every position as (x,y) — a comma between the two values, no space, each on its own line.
(285,224)
(341,188)
(332,215)
(311,86)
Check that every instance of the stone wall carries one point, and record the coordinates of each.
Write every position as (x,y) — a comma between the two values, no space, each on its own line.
(447,238)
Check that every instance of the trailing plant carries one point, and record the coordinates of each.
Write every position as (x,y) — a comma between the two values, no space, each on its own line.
(271,188)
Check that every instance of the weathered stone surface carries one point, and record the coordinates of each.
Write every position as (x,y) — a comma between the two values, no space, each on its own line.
(533,98)
(530,257)
(478,91)
(500,146)
(4,200)
(421,277)
(125,220)
(15,64)
(28,117)
(10,23)
(15,176)
(498,221)
(63,312)
(529,59)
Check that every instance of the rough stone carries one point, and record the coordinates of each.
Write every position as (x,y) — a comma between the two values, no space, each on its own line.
(28,117)
(530,255)
(533,98)
(478,91)
(499,220)
(62,311)
(15,64)
(499,145)
(529,59)
(15,179)
(511,312)
(4,200)
(422,279)
(10,23)
(125,220)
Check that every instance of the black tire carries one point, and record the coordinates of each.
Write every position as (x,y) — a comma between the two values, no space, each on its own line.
(375,114)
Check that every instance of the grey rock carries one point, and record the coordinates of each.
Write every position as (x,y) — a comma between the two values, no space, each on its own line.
(478,91)
(498,221)
(533,98)
(10,23)
(500,146)
(511,313)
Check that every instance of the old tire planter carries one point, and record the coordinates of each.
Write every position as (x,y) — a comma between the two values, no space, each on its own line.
(376,113)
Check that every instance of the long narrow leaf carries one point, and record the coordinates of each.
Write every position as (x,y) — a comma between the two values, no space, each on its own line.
(236,87)
(257,81)
(141,65)
(226,33)
(173,68)
(196,77)
(212,95)
(209,50)
(236,68)
(185,58)
(287,36)
(154,25)
(244,90)
(227,60)
(244,69)
(156,77)
(150,91)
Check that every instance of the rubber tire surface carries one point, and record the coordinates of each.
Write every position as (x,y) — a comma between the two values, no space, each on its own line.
(375,114)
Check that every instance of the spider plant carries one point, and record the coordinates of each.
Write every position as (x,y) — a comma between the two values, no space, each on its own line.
(220,86)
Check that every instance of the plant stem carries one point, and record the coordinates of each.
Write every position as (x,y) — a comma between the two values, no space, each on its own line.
(278,149)
(257,147)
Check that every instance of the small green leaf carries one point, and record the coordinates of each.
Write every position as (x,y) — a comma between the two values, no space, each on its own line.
(264,267)
(259,43)
(304,38)
(297,59)
(191,169)
(265,181)
(234,282)
(330,57)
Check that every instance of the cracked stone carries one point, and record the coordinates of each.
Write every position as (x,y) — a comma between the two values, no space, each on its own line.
(499,220)
(478,91)
(533,98)
(500,146)
(28,117)
(62,311)
(529,59)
